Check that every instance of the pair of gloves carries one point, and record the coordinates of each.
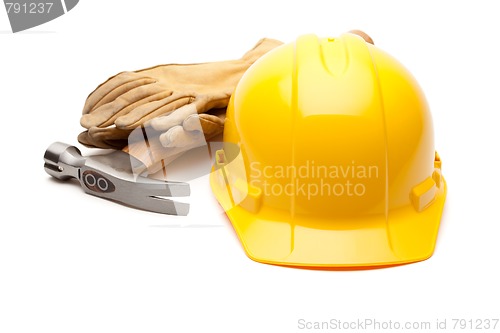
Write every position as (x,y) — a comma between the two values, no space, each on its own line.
(177,105)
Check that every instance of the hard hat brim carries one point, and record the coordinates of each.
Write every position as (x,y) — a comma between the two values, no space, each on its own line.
(272,237)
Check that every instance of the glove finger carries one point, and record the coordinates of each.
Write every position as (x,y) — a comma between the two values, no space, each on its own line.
(85,139)
(106,114)
(178,137)
(165,157)
(219,100)
(115,93)
(145,112)
(164,123)
(211,125)
(112,88)
(152,154)
(106,138)
(196,105)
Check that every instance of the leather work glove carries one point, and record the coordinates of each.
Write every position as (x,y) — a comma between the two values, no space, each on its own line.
(171,108)
(189,97)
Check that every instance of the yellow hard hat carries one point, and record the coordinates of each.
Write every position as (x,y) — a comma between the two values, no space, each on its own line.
(328,158)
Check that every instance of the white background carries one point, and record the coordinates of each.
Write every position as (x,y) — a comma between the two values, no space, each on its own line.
(70,262)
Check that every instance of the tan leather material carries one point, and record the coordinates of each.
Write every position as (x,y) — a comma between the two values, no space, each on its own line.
(179,106)
(363,35)
(211,124)
(131,99)
(107,138)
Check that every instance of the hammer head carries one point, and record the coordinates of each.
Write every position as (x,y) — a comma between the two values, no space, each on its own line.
(62,161)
